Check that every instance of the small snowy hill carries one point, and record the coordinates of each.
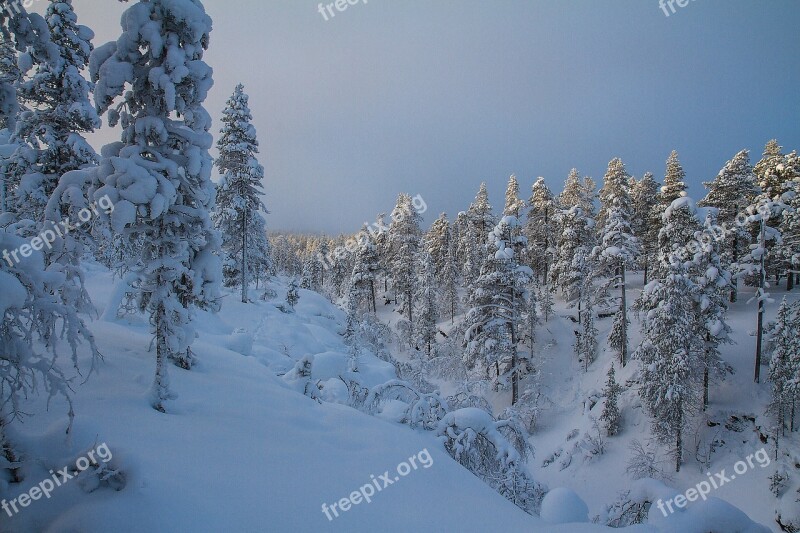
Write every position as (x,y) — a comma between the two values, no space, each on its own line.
(242,450)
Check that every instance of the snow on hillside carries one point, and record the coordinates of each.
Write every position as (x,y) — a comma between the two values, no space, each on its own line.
(241,451)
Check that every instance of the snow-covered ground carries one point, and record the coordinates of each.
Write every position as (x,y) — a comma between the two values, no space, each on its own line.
(243,450)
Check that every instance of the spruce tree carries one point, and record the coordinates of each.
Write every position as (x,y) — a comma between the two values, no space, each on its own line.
(480,216)
(58,113)
(669,354)
(540,230)
(237,214)
(159,175)
(404,240)
(674,182)
(618,248)
(364,277)
(437,243)
(645,226)
(611,417)
(514,205)
(496,307)
(427,301)
(731,192)
(784,367)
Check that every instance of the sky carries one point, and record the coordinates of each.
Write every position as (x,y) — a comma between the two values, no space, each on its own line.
(433,97)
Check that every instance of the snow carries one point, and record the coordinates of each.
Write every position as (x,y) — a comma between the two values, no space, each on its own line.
(563,506)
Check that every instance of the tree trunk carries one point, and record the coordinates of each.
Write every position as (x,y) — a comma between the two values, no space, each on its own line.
(372,296)
(735,281)
(244,256)
(161,382)
(679,443)
(624,309)
(789,280)
(760,332)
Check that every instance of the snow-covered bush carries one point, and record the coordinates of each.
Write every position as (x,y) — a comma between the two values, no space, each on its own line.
(645,463)
(495,451)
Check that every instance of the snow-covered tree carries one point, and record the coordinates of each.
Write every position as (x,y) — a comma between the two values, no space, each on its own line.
(427,302)
(586,345)
(514,205)
(674,182)
(159,175)
(404,242)
(788,249)
(9,76)
(618,247)
(731,192)
(293,294)
(712,284)
(669,355)
(36,317)
(496,306)
(364,277)
(611,418)
(58,112)
(784,367)
(574,247)
(540,229)
(480,216)
(237,214)
(449,284)
(645,223)
(437,244)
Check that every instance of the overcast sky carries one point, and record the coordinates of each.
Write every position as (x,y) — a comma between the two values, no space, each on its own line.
(432,97)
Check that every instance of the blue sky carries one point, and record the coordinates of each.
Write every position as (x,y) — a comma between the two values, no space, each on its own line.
(432,97)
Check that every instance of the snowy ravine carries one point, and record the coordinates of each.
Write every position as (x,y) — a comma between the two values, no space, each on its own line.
(241,451)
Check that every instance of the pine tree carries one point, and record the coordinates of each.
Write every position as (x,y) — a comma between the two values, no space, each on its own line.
(546,303)
(480,216)
(58,113)
(618,247)
(427,299)
(449,284)
(404,243)
(669,354)
(574,247)
(679,225)
(36,317)
(514,205)
(674,182)
(789,247)
(784,367)
(731,192)
(611,417)
(586,345)
(293,294)
(645,226)
(237,213)
(364,277)
(10,76)
(159,176)
(711,282)
(540,229)
(437,243)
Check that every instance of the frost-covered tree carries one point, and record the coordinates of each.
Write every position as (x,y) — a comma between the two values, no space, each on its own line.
(58,113)
(784,367)
(449,284)
(404,242)
(712,283)
(496,306)
(293,294)
(731,192)
(36,317)
(611,418)
(159,175)
(364,278)
(237,214)
(574,247)
(669,355)
(540,229)
(618,247)
(645,226)
(473,256)
(437,244)
(9,76)
(674,182)
(427,302)
(679,225)
(586,345)
(514,205)
(480,216)
(788,249)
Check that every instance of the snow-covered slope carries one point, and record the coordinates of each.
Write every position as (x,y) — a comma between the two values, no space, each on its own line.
(241,450)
